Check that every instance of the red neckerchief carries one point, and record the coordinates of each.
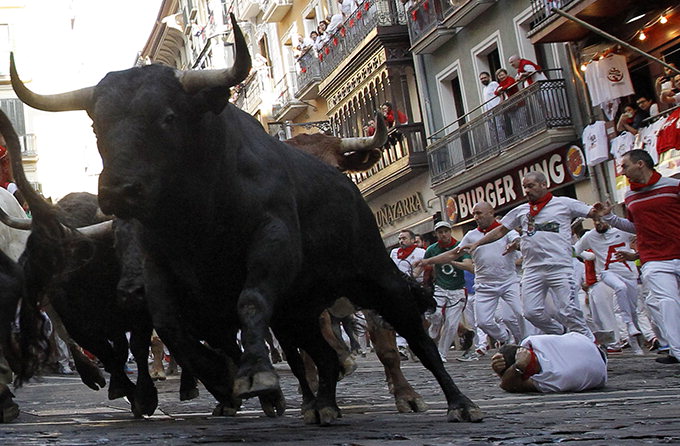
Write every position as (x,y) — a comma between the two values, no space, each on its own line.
(450,245)
(493,225)
(656,176)
(536,206)
(521,70)
(403,253)
(533,367)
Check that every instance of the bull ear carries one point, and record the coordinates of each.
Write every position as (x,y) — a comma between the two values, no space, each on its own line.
(213,99)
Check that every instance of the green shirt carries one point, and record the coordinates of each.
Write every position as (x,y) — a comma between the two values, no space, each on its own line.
(447,276)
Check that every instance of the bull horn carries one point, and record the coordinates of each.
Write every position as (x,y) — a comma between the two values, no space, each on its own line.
(378,139)
(72,100)
(196,80)
(14,222)
(97,230)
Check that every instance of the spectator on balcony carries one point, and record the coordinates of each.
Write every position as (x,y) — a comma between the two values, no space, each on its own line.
(369,128)
(527,71)
(506,84)
(347,7)
(647,108)
(307,42)
(323,36)
(489,96)
(672,95)
(665,81)
(389,114)
(628,121)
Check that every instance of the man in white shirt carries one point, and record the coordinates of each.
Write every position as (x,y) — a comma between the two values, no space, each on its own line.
(546,248)
(619,275)
(495,273)
(407,254)
(551,363)
(489,97)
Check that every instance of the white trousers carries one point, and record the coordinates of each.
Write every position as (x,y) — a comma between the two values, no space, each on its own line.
(661,279)
(444,321)
(487,297)
(625,292)
(536,283)
(469,314)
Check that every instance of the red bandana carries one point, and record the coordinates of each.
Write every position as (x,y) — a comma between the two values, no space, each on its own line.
(493,225)
(533,367)
(536,206)
(450,245)
(403,253)
(656,176)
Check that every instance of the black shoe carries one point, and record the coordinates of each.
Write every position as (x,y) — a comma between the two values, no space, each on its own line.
(9,410)
(468,338)
(667,360)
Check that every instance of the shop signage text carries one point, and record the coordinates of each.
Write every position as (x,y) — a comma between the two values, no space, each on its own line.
(506,188)
(389,214)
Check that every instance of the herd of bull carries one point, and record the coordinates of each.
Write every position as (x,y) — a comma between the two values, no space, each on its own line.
(219,227)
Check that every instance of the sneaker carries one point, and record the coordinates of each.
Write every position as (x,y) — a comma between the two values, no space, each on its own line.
(157,375)
(634,343)
(614,350)
(467,340)
(403,353)
(470,356)
(443,358)
(667,360)
(654,345)
(65,370)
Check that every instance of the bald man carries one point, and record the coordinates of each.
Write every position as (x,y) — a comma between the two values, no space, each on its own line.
(547,252)
(495,277)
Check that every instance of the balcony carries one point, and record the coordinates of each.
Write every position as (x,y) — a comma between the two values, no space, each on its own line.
(403,157)
(246,10)
(546,26)
(286,106)
(370,15)
(433,22)
(308,76)
(533,112)
(249,93)
(275,10)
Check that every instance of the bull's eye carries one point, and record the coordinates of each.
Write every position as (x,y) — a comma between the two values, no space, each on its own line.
(169,119)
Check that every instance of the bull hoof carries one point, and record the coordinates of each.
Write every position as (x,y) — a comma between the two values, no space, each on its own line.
(186,395)
(117,392)
(273,404)
(471,413)
(411,404)
(257,384)
(347,367)
(93,379)
(328,415)
(145,406)
(310,416)
(225,410)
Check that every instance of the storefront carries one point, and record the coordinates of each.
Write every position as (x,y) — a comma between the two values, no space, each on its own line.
(564,168)
(412,206)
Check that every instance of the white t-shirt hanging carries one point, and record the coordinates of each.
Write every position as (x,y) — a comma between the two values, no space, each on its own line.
(595,143)
(609,108)
(593,83)
(614,77)
(622,144)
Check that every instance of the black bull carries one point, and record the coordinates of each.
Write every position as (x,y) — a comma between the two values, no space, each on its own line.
(240,231)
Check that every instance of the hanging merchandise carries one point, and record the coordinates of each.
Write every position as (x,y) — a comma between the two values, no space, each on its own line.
(669,134)
(610,108)
(647,137)
(608,78)
(622,144)
(595,143)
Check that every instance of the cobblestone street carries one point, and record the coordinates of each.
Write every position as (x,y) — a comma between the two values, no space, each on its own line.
(640,405)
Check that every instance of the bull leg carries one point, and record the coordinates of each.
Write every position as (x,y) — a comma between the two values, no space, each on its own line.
(384,340)
(398,306)
(146,395)
(162,295)
(267,278)
(188,386)
(89,372)
(347,364)
(325,358)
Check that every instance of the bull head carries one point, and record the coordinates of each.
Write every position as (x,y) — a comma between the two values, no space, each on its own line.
(192,81)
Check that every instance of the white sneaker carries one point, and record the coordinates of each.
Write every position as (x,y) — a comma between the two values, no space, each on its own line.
(443,357)
(635,346)
(470,355)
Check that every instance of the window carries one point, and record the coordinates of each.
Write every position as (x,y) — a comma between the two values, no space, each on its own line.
(4,50)
(14,109)
(487,56)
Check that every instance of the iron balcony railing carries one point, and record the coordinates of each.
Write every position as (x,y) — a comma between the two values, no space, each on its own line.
(284,92)
(403,140)
(425,15)
(309,72)
(249,93)
(539,107)
(369,15)
(542,11)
